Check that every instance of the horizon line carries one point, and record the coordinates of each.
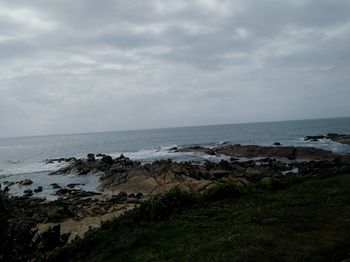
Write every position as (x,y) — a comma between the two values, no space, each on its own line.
(170,127)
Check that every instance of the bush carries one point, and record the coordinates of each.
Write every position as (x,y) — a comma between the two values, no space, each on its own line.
(3,223)
(223,191)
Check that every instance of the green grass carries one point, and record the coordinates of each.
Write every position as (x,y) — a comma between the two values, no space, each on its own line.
(307,221)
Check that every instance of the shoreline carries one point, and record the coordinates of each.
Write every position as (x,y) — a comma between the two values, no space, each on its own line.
(124,184)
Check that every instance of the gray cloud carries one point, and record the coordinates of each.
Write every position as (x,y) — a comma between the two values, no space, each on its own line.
(86,65)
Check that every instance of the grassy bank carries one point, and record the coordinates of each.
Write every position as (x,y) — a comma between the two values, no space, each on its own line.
(304,221)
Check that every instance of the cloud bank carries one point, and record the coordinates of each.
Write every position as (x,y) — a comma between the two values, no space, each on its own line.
(86,65)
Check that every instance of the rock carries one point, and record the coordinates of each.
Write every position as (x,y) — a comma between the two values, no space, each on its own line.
(277,144)
(107,159)
(72,185)
(90,157)
(210,151)
(38,189)
(139,195)
(8,183)
(313,138)
(100,155)
(344,139)
(55,186)
(174,148)
(28,192)
(6,189)
(26,182)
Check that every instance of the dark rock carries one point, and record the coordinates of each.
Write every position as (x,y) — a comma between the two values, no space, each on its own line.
(28,192)
(277,144)
(55,186)
(26,182)
(100,155)
(174,148)
(72,185)
(107,159)
(38,189)
(344,139)
(313,138)
(90,157)
(63,191)
(139,195)
(8,183)
(121,197)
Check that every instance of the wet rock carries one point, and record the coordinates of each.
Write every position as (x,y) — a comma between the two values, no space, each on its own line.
(313,138)
(90,157)
(26,182)
(55,186)
(63,191)
(8,183)
(174,148)
(100,155)
(38,189)
(277,144)
(344,139)
(28,193)
(72,185)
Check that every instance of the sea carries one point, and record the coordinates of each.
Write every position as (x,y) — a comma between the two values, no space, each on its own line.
(25,157)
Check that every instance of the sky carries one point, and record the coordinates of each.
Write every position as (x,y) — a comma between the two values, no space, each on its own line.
(87,65)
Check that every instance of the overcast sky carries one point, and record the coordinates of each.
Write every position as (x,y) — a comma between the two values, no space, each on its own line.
(88,65)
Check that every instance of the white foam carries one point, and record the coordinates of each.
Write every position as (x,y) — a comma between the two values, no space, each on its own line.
(325,144)
(89,182)
(9,168)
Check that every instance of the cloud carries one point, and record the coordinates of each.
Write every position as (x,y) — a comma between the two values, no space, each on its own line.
(76,66)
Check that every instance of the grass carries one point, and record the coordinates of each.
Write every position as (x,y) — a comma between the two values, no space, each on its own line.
(308,221)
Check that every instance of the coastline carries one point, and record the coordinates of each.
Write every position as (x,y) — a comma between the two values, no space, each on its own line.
(124,184)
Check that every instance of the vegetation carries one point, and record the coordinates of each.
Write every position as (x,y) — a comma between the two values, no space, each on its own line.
(3,222)
(291,220)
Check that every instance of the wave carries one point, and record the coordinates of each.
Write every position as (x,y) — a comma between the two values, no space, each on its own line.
(323,143)
(9,168)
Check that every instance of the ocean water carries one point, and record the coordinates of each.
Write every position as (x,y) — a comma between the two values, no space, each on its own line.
(25,157)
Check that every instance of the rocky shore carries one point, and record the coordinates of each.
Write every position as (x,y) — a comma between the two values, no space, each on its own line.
(343,139)
(37,225)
